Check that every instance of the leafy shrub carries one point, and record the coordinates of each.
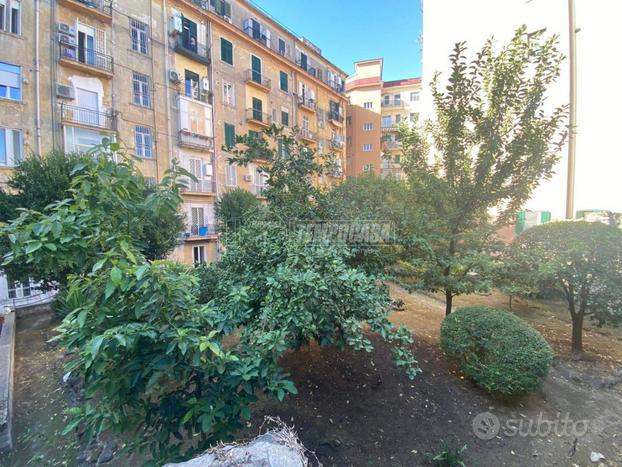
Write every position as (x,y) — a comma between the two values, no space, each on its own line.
(501,352)
(233,208)
(448,456)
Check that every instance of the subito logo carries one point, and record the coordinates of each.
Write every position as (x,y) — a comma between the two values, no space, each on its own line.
(486,425)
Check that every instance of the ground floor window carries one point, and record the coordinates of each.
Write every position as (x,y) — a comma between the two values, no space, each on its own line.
(198,253)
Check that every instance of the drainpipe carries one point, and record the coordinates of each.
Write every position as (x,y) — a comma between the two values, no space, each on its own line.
(210,74)
(37,79)
(166,87)
(156,146)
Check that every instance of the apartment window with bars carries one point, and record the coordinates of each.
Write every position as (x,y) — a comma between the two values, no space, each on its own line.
(143,141)
(140,36)
(197,219)
(10,16)
(141,90)
(10,81)
(11,147)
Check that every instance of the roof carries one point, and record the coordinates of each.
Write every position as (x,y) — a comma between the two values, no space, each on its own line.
(401,82)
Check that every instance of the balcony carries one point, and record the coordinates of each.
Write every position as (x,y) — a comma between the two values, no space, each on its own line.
(202,187)
(189,47)
(259,190)
(258,35)
(201,232)
(100,9)
(307,135)
(391,145)
(258,117)
(337,143)
(389,128)
(258,80)
(86,60)
(393,103)
(306,104)
(87,117)
(340,88)
(188,139)
(336,118)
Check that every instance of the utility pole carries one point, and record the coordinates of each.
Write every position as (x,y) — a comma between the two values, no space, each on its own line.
(572,124)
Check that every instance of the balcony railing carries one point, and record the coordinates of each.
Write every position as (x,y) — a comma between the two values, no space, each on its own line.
(340,88)
(254,77)
(203,230)
(335,116)
(256,115)
(88,117)
(393,103)
(188,139)
(389,128)
(88,57)
(307,134)
(99,6)
(202,186)
(391,145)
(257,35)
(306,103)
(191,48)
(336,143)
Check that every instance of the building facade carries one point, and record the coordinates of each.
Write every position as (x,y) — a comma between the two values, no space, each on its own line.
(168,80)
(375,111)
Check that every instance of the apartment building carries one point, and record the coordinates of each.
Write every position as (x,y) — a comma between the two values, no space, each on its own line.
(168,80)
(375,111)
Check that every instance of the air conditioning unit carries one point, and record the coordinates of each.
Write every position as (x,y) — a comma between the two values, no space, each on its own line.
(173,77)
(66,39)
(66,29)
(205,84)
(248,178)
(66,92)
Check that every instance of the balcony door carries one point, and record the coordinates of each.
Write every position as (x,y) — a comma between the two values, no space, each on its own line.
(86,44)
(256,69)
(257,109)
(87,103)
(189,35)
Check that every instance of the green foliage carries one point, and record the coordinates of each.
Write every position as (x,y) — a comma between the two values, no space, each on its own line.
(234,207)
(502,353)
(448,456)
(37,182)
(489,146)
(580,260)
(109,202)
(292,289)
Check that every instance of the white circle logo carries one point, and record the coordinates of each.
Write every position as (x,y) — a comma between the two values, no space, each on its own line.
(486,425)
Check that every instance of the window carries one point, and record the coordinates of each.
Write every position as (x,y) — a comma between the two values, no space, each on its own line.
(11,147)
(368,105)
(191,84)
(284,81)
(284,117)
(321,117)
(283,149)
(254,134)
(397,99)
(414,97)
(141,92)
(143,141)
(198,253)
(398,119)
(282,47)
(10,81)
(226,51)
(367,147)
(10,18)
(231,175)
(197,220)
(140,36)
(150,181)
(386,99)
(368,168)
(229,134)
(228,94)
(81,140)
(348,120)
(349,140)
(386,121)
(258,110)
(368,126)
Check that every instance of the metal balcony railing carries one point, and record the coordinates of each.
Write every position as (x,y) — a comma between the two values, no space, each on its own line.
(307,134)
(87,57)
(257,78)
(202,230)
(188,139)
(202,186)
(393,103)
(336,143)
(258,190)
(257,35)
(88,117)
(391,145)
(104,6)
(191,48)
(335,116)
(257,115)
(388,128)
(306,102)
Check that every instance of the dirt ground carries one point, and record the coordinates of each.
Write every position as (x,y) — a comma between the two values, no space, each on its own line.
(357,409)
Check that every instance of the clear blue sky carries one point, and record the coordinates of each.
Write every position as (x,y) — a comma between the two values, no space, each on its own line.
(352,30)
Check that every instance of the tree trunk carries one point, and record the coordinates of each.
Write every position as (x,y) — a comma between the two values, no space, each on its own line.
(449,297)
(577,333)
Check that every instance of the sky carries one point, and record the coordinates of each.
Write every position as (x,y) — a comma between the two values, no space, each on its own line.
(351,30)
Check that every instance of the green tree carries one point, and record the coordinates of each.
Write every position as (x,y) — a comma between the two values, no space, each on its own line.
(582,260)
(234,207)
(105,197)
(489,146)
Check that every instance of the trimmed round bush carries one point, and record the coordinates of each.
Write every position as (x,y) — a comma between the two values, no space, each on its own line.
(499,351)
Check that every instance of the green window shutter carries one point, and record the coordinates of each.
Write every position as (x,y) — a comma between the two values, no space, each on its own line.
(545,216)
(520,222)
(229,134)
(226,51)
(284,82)
(284,118)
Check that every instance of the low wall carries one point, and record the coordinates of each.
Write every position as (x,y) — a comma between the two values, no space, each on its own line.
(7,354)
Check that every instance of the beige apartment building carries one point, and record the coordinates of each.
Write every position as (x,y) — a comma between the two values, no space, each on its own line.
(375,111)
(169,80)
